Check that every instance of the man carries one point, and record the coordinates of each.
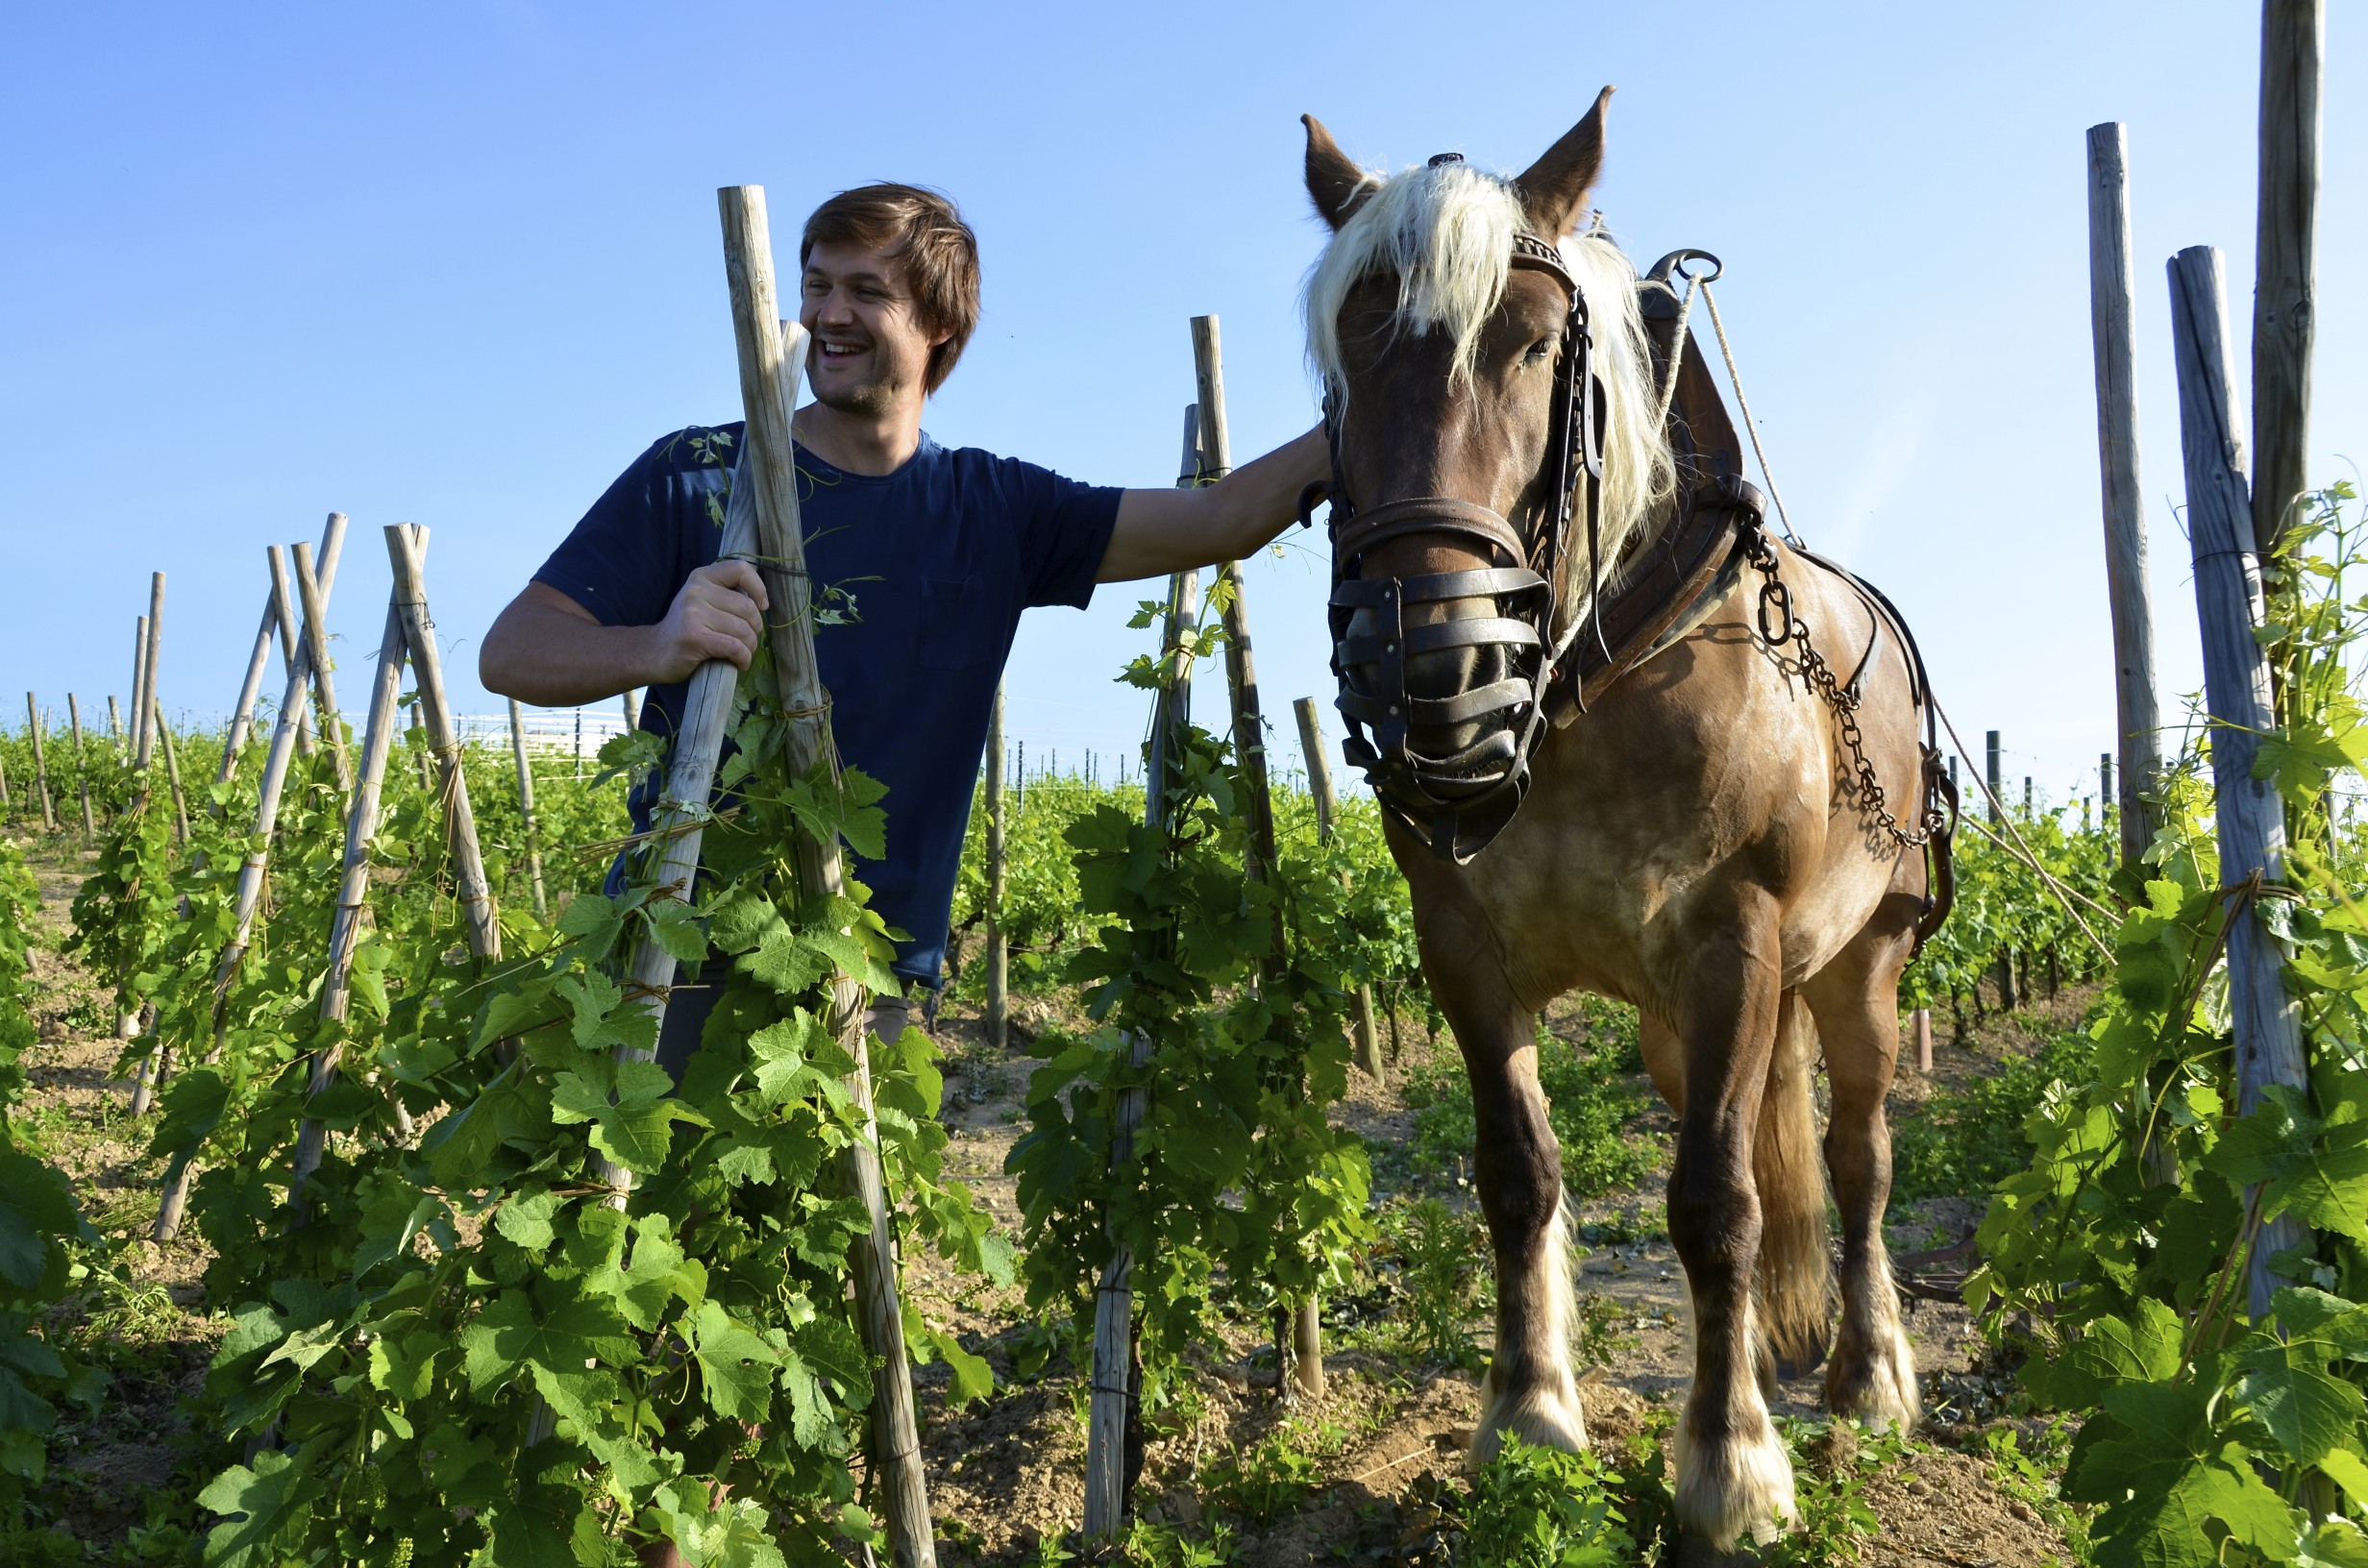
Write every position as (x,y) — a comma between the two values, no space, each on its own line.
(940,550)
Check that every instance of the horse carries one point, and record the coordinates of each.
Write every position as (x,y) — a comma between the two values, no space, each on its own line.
(1702,828)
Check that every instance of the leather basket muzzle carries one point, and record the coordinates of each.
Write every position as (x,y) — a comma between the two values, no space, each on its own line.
(1457,799)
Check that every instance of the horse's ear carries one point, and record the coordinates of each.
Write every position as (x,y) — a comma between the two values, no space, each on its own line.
(1554,188)
(1337,187)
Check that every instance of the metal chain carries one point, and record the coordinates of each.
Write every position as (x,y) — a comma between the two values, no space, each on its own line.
(1779,626)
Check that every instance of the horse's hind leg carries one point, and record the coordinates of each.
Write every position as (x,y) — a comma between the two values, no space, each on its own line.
(1856,1002)
(1733,1476)
(1518,1173)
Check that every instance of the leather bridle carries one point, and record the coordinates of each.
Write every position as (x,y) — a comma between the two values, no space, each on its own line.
(1458,802)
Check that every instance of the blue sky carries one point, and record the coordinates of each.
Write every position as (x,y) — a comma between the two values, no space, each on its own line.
(457,264)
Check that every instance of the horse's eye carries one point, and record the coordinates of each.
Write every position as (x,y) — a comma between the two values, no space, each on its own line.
(1540,351)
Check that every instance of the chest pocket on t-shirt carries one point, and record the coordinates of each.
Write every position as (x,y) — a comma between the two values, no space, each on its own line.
(954,633)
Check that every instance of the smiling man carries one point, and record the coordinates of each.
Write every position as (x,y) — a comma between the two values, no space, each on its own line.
(941,551)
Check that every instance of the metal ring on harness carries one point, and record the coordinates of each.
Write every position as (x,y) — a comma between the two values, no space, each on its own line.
(1775,613)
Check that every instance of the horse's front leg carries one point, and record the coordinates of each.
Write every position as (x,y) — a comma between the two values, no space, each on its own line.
(1518,1172)
(1733,1478)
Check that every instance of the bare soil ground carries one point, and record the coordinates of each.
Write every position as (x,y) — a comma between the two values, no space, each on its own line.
(1006,1474)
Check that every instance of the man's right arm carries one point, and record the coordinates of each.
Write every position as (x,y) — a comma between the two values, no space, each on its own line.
(547,649)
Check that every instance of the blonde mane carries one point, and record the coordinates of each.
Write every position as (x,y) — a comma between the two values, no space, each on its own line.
(1446,231)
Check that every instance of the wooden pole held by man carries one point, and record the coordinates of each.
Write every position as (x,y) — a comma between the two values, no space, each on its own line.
(770,360)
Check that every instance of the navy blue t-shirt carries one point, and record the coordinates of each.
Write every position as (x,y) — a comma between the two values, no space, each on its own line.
(940,557)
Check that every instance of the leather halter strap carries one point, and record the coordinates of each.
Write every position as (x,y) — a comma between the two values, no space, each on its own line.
(1428,514)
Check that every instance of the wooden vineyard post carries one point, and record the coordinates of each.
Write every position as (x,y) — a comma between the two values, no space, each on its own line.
(361,824)
(770,354)
(998,940)
(1922,1018)
(1249,746)
(250,895)
(525,805)
(139,686)
(41,763)
(172,777)
(2251,819)
(82,764)
(7,807)
(114,720)
(1112,1391)
(1312,746)
(243,717)
(152,654)
(406,547)
(2111,281)
(2284,311)
(316,654)
(632,709)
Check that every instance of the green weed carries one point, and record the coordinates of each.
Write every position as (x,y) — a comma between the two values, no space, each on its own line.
(1966,1140)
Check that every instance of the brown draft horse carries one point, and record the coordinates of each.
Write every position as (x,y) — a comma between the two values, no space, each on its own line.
(1696,842)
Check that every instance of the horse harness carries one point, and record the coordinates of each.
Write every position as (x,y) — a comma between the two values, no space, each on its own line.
(1457,804)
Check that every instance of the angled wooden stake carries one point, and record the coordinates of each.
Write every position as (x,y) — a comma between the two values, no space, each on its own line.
(1327,812)
(251,876)
(40,762)
(361,825)
(407,546)
(81,765)
(316,653)
(2265,1017)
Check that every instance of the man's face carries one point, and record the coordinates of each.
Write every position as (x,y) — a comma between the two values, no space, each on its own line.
(871,353)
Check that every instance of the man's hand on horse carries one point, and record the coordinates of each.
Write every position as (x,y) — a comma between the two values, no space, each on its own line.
(1159,531)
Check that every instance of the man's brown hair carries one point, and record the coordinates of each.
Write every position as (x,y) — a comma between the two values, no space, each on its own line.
(923,231)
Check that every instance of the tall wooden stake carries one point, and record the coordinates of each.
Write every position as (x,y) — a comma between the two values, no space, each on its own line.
(2110,287)
(769,368)
(2284,236)
(525,805)
(998,940)
(1318,757)
(1249,746)
(1112,1391)
(81,765)
(41,763)
(2228,601)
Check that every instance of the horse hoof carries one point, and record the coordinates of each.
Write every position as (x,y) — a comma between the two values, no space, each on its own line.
(1877,1384)
(1694,1552)
(1545,1413)
(1734,1490)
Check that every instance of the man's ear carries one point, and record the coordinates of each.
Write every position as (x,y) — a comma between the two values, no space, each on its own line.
(1335,183)
(1554,190)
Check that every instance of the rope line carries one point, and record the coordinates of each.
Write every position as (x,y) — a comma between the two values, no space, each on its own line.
(1751,426)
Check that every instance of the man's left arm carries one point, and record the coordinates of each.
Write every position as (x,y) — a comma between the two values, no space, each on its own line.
(1159,531)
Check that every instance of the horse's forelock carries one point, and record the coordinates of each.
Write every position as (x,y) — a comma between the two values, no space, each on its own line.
(1446,232)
